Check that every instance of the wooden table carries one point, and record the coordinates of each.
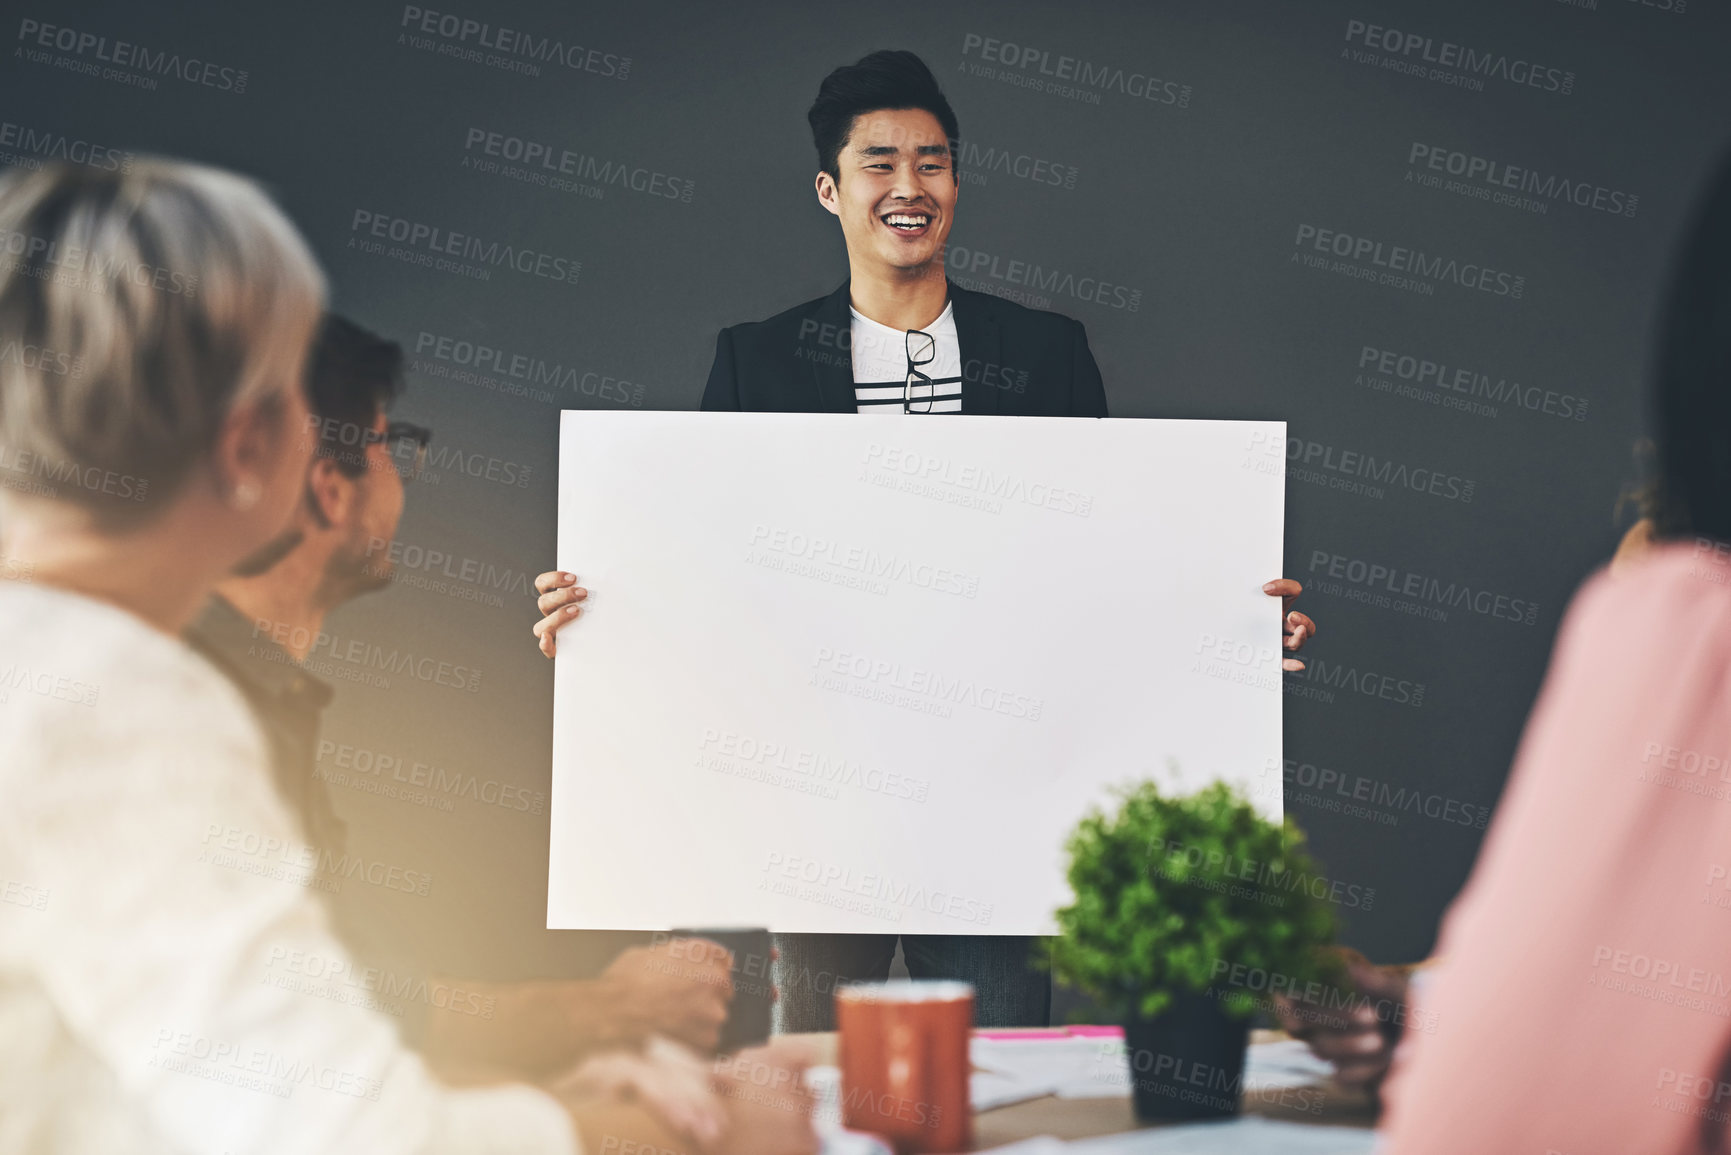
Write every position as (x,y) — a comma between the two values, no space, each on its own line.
(1085,1118)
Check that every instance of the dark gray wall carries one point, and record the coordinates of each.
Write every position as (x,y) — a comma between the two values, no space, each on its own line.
(1264,118)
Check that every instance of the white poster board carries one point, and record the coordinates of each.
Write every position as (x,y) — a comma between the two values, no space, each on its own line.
(863,674)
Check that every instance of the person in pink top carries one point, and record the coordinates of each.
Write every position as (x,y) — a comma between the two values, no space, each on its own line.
(1583,1000)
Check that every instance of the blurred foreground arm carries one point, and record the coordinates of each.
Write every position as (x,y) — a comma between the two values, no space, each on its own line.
(679,989)
(1358,1036)
(751,1103)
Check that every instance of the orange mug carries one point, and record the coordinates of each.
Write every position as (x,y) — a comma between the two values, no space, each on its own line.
(904,1063)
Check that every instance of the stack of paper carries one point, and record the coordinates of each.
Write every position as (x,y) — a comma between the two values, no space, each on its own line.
(1287,1063)
(990,1090)
(1247,1135)
(1095,1066)
(853,1143)
(825,1085)
(1068,1066)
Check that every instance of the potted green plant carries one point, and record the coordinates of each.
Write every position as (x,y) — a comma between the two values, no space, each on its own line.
(1188,911)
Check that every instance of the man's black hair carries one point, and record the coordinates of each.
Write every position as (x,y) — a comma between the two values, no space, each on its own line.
(886,79)
(353,375)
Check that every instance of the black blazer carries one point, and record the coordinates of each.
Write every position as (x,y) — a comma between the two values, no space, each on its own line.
(1015,361)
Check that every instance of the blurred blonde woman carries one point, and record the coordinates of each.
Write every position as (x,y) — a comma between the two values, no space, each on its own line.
(153,329)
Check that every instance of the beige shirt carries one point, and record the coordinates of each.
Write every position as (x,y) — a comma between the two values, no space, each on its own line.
(157,922)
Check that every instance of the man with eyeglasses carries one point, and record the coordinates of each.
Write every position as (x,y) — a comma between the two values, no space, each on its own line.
(898,338)
(259,629)
(330,555)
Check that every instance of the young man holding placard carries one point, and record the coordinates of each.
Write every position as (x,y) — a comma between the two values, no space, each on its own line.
(898,337)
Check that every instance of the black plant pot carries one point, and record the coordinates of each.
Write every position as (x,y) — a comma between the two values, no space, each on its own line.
(1187,1062)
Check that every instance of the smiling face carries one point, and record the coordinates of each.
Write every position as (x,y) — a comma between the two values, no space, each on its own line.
(896,197)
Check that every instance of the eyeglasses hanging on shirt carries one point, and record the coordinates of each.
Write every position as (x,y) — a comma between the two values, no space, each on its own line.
(922,347)
(931,379)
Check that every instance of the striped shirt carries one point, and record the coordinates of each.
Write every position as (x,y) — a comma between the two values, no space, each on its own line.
(880,367)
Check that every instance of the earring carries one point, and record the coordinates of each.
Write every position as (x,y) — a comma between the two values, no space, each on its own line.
(245,495)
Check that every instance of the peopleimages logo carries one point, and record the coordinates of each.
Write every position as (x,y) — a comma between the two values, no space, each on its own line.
(729,752)
(897,894)
(1066,71)
(862,560)
(962,475)
(1324,677)
(880,679)
(1316,996)
(465,578)
(1365,473)
(1671,7)
(1416,54)
(251,1068)
(25,146)
(1423,379)
(1373,584)
(1511,184)
(127,63)
(81,268)
(473,464)
(1243,663)
(1398,265)
(1682,978)
(22,463)
(525,374)
(1214,869)
(343,980)
(24,894)
(974,161)
(368,656)
(435,247)
(1342,792)
(509,49)
(46,684)
(1686,770)
(1029,279)
(561,168)
(358,766)
(222,843)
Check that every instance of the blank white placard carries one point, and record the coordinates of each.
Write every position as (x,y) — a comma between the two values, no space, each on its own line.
(861,675)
